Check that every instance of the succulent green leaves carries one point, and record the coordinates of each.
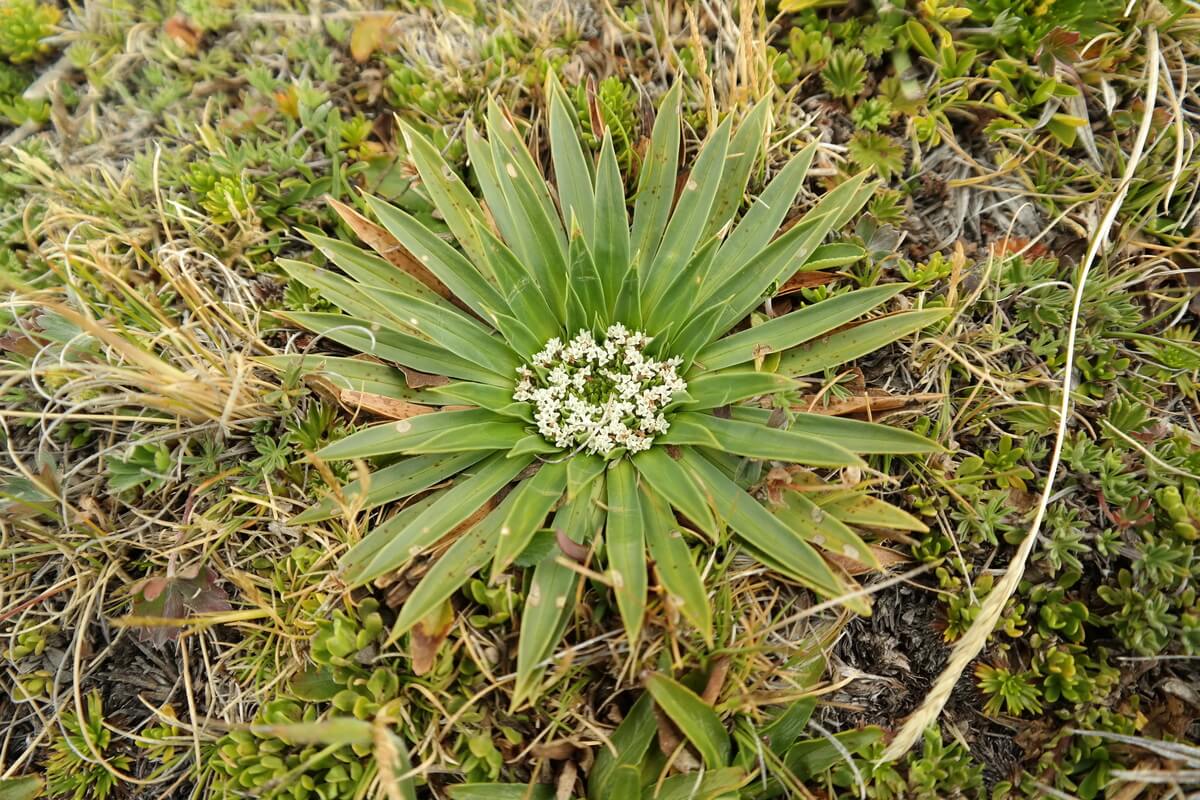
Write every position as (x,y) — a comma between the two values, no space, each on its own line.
(488,486)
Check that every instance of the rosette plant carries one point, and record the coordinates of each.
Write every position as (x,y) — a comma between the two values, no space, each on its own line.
(569,377)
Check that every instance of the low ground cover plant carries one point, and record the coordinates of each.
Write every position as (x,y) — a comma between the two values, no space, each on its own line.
(470,399)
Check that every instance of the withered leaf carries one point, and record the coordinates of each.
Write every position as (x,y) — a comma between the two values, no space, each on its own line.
(862,404)
(887,558)
(428,635)
(192,590)
(377,404)
(387,246)
(368,35)
(805,280)
(184,33)
(422,380)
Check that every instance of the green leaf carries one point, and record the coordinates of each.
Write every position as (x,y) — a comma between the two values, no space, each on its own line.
(316,685)
(920,39)
(698,332)
(370,544)
(791,329)
(630,741)
(453,199)
(823,529)
(666,477)
(713,390)
(757,227)
(628,309)
(857,436)
(757,441)
(858,508)
(493,398)
(523,341)
(533,500)
(482,161)
(744,150)
(582,469)
(356,374)
(841,346)
(688,221)
(834,255)
(396,437)
(539,226)
(626,782)
(626,546)
(344,731)
(677,300)
(783,731)
(586,304)
(533,444)
(656,182)
(446,576)
(371,270)
(550,603)
(745,287)
(455,332)
(572,176)
(25,787)
(390,345)
(710,785)
(347,732)
(484,436)
(520,289)
(768,536)
(500,791)
(610,245)
(395,482)
(674,566)
(695,719)
(352,298)
(813,757)
(450,510)
(450,267)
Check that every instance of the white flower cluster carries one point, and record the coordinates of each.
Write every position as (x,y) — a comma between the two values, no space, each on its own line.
(599,396)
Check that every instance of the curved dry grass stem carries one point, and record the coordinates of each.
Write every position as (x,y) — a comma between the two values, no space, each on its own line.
(973,642)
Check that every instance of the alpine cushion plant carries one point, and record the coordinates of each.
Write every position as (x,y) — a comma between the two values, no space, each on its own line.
(599,374)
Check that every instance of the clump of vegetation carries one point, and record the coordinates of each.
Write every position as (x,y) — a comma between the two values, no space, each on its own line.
(831,235)
(24,25)
(576,388)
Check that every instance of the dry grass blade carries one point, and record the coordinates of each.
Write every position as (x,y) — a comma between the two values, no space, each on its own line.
(972,643)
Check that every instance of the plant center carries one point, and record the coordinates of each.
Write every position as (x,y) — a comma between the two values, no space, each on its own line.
(599,396)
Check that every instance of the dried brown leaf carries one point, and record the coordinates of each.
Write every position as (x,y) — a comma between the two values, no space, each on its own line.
(887,559)
(387,246)
(368,35)
(428,636)
(377,404)
(872,403)
(184,33)
(422,380)
(193,590)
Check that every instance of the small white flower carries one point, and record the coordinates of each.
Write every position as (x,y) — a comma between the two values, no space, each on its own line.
(599,396)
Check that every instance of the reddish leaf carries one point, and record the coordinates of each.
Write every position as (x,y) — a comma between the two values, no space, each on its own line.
(193,590)
(571,549)
(184,33)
